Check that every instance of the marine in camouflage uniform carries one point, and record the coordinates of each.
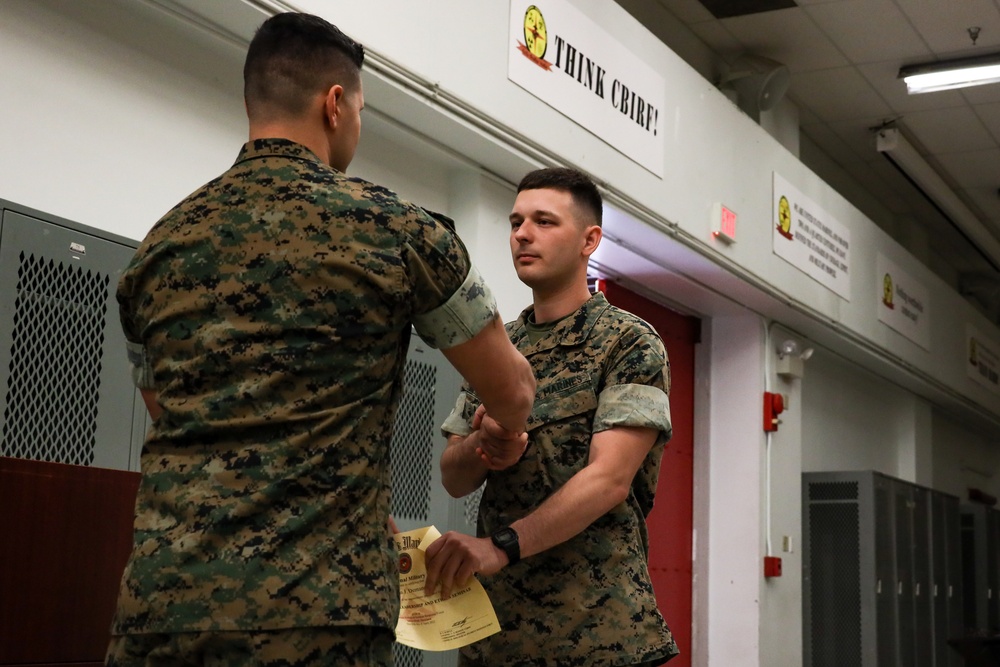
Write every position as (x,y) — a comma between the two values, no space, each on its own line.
(271,311)
(577,491)
(267,318)
(587,601)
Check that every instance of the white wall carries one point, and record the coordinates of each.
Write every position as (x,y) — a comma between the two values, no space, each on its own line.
(732,616)
(854,418)
(106,120)
(964,459)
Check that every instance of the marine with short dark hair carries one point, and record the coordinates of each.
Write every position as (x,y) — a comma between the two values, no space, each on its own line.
(267,318)
(562,542)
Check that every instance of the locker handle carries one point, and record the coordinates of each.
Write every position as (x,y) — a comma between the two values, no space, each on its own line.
(950,590)
(878,586)
(935,591)
(900,589)
(916,590)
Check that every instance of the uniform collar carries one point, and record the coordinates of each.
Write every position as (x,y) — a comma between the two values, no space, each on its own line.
(571,330)
(277,147)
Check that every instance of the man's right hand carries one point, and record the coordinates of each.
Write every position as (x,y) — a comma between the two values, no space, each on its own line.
(498,447)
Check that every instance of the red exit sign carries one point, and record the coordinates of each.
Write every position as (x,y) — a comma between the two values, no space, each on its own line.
(724,223)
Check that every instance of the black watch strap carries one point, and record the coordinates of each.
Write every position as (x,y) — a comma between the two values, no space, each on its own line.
(506,539)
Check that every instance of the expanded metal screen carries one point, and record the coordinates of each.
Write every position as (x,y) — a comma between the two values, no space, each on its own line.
(52,390)
(406,656)
(835,563)
(413,443)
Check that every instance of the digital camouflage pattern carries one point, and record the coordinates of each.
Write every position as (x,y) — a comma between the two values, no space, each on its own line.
(294,647)
(588,601)
(273,309)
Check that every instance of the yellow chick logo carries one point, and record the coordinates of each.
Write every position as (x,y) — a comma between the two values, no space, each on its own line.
(784,217)
(536,38)
(887,291)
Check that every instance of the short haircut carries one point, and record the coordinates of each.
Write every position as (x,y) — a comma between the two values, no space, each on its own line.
(291,58)
(582,189)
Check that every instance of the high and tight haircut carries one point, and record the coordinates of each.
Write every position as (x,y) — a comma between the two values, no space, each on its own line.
(291,58)
(580,186)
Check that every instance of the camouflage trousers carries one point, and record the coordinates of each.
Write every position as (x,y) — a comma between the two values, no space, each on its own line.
(298,647)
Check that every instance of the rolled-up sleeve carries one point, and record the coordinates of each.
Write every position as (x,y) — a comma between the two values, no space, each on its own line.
(633,405)
(467,312)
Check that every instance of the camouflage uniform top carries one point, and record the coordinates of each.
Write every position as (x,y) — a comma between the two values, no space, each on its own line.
(271,312)
(589,600)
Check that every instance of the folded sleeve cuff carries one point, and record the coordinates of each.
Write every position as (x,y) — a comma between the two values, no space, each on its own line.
(457,422)
(461,317)
(633,405)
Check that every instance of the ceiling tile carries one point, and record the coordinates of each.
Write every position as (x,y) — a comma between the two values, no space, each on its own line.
(720,40)
(688,11)
(868,30)
(788,36)
(973,169)
(837,94)
(935,129)
(807,117)
(988,201)
(989,114)
(944,24)
(982,94)
(859,135)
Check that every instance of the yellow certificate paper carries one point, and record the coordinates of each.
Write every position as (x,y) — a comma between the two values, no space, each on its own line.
(427,622)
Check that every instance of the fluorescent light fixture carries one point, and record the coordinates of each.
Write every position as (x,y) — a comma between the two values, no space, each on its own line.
(950,74)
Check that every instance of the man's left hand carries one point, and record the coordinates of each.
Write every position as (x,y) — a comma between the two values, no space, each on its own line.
(454,557)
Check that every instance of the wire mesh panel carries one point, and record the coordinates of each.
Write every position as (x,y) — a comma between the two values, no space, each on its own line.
(66,395)
(55,368)
(406,656)
(413,443)
(835,601)
(885,572)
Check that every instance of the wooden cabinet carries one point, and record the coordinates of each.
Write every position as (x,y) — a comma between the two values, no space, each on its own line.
(65,534)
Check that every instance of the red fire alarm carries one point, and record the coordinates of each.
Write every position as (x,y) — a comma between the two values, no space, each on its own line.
(774,405)
(772,566)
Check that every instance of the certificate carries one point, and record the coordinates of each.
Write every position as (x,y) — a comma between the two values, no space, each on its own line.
(427,622)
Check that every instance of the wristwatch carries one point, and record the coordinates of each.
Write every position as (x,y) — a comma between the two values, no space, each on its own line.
(506,539)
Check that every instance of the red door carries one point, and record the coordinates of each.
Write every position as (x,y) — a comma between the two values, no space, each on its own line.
(669,523)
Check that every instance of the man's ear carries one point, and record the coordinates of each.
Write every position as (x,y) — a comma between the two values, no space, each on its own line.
(331,104)
(591,239)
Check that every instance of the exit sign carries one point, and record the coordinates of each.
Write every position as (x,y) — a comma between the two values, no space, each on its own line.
(723,223)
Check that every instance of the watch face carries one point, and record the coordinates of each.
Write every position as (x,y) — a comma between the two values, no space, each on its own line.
(506,536)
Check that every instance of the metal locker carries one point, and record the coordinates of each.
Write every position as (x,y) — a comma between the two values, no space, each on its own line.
(923,598)
(874,548)
(885,571)
(903,510)
(66,394)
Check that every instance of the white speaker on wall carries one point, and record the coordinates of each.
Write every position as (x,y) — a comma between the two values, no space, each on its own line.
(758,82)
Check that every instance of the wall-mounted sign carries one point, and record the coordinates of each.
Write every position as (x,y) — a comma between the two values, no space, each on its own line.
(903,302)
(811,240)
(572,64)
(982,359)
